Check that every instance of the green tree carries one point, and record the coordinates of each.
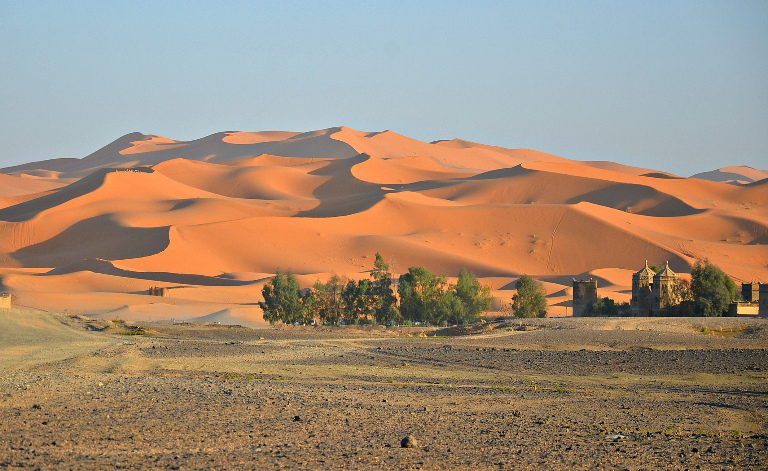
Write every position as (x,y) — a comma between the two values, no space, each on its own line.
(471,299)
(364,302)
(530,300)
(383,300)
(602,307)
(712,289)
(328,298)
(421,295)
(282,299)
(357,302)
(311,306)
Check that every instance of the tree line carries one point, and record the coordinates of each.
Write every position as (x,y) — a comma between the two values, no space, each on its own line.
(422,297)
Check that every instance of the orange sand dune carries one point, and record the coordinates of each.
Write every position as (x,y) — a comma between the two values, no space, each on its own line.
(212,219)
(18,186)
(736,174)
(403,170)
(390,145)
(250,182)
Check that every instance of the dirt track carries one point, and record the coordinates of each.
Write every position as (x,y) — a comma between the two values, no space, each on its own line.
(540,394)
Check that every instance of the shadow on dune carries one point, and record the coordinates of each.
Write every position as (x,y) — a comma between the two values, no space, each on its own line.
(105,267)
(29,209)
(98,237)
(343,194)
(637,199)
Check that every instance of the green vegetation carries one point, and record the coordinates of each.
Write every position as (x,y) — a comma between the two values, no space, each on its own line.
(384,300)
(282,299)
(607,307)
(728,332)
(136,331)
(424,299)
(530,300)
(712,290)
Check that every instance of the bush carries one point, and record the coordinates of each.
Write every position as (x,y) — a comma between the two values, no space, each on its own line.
(607,307)
(712,290)
(530,300)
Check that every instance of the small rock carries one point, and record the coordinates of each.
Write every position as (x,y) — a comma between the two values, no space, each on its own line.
(37,406)
(408,442)
(297,418)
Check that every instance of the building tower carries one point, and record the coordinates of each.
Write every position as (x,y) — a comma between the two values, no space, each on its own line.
(584,295)
(664,296)
(642,295)
(763,301)
(750,292)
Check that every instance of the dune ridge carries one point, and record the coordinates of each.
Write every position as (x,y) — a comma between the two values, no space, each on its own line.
(213,218)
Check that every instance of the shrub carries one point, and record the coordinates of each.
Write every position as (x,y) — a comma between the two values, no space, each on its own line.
(712,289)
(530,300)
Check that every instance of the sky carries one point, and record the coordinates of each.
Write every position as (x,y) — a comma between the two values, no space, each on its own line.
(677,86)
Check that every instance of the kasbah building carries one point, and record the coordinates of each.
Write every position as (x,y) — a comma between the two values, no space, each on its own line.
(654,295)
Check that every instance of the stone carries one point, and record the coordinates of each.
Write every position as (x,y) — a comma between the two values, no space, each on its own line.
(409,442)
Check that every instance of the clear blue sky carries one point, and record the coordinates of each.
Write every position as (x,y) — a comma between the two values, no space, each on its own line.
(680,86)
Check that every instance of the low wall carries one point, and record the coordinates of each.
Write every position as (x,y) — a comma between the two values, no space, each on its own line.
(743,309)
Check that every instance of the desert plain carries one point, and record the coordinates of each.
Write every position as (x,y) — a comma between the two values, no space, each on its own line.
(570,393)
(97,374)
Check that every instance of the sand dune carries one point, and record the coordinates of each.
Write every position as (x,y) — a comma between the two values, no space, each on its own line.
(736,174)
(17,186)
(212,219)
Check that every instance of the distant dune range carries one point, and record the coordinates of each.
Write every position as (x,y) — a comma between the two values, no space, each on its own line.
(212,219)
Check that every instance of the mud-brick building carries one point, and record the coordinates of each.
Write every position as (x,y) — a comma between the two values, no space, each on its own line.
(664,296)
(5,300)
(584,295)
(157,291)
(653,294)
(750,292)
(763,301)
(641,303)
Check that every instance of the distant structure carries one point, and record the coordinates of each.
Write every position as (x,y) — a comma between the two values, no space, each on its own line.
(750,305)
(584,295)
(157,291)
(641,303)
(653,294)
(750,292)
(664,296)
(763,301)
(737,308)
(5,300)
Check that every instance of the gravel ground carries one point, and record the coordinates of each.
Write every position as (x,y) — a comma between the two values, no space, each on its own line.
(546,394)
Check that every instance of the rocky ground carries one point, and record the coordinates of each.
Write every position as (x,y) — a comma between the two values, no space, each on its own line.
(541,394)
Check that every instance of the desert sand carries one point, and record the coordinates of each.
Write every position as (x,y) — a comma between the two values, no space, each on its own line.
(212,219)
(576,393)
